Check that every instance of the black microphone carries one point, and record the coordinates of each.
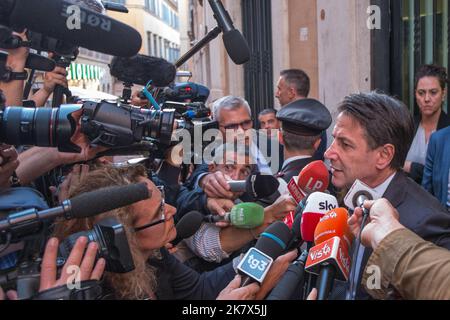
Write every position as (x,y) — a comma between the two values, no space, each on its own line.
(140,69)
(85,205)
(235,44)
(34,61)
(97,32)
(291,281)
(258,186)
(359,198)
(188,226)
(258,260)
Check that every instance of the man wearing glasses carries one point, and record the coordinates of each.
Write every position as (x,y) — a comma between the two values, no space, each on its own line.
(235,122)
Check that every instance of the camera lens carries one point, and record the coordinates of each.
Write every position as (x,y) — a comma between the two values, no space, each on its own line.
(160,126)
(43,127)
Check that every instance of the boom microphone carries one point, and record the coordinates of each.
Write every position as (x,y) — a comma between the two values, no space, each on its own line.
(34,61)
(258,185)
(242,216)
(188,226)
(95,31)
(140,69)
(314,177)
(85,205)
(235,44)
(258,260)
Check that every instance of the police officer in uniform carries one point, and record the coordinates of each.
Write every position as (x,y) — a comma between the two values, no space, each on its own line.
(302,124)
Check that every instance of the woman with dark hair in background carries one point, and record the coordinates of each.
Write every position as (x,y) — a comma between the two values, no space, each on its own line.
(431,91)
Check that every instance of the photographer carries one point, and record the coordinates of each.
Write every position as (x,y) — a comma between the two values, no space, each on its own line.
(53,287)
(56,77)
(15,66)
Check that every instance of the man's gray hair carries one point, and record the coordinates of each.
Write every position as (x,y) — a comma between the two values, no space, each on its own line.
(229,103)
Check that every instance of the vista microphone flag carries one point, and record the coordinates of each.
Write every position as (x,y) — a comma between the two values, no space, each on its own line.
(329,257)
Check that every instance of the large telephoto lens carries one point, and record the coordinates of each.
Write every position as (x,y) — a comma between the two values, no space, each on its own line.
(43,127)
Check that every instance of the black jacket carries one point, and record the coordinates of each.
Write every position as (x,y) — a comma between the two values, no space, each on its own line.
(416,168)
(419,211)
(179,282)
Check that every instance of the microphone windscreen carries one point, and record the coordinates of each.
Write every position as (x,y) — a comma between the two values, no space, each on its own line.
(140,69)
(333,224)
(317,205)
(96,31)
(106,199)
(236,46)
(247,215)
(34,61)
(261,186)
(274,240)
(188,226)
(314,177)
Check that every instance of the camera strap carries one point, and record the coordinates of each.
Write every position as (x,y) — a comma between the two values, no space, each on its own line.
(88,290)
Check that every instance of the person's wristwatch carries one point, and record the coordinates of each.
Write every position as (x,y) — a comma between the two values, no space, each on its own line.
(7,75)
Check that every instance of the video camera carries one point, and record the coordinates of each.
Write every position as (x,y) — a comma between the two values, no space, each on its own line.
(104,123)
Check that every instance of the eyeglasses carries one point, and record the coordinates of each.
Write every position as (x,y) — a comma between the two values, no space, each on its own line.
(247,124)
(162,215)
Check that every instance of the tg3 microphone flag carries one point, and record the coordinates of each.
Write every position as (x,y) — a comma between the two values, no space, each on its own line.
(257,261)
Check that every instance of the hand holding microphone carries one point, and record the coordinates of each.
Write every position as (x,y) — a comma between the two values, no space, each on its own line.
(383,220)
(242,216)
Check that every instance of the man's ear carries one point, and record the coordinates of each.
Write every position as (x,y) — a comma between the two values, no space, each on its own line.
(280,137)
(317,144)
(385,156)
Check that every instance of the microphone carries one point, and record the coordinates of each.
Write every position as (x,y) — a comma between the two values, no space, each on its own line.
(140,69)
(96,31)
(317,205)
(256,263)
(85,205)
(34,61)
(188,226)
(358,193)
(259,186)
(242,216)
(329,257)
(292,279)
(235,44)
(313,177)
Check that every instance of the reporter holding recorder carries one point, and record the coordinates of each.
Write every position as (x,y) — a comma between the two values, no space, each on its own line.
(415,268)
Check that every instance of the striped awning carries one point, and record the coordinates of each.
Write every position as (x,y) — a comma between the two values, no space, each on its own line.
(80,71)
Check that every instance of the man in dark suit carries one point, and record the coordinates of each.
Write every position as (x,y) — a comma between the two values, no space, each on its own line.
(436,177)
(372,136)
(293,85)
(302,124)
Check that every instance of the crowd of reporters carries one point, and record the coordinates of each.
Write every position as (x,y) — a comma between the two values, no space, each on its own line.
(195,227)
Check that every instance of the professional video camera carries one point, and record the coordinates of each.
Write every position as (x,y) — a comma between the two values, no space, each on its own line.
(104,123)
